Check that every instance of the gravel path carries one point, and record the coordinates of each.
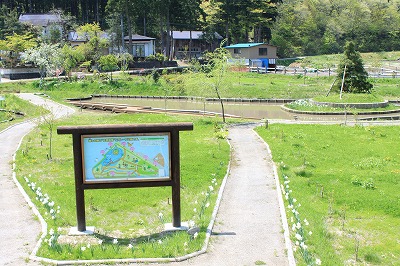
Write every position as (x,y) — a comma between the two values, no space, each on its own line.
(19,229)
(248,227)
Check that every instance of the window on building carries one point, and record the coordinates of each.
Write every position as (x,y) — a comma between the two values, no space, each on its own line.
(262,51)
(237,51)
(138,50)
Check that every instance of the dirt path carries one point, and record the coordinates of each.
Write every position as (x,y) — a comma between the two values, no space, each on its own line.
(248,226)
(19,229)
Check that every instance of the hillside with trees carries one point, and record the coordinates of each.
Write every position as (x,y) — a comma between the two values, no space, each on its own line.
(311,27)
(297,27)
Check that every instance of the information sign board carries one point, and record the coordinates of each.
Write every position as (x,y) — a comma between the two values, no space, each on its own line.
(126,157)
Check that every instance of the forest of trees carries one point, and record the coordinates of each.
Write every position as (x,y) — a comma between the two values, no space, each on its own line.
(297,27)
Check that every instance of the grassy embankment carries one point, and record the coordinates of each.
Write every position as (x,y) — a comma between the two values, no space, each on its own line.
(347,181)
(236,85)
(14,103)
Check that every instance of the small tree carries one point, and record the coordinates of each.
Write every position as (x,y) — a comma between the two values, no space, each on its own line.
(217,68)
(12,46)
(70,58)
(125,59)
(47,57)
(352,68)
(94,41)
(109,63)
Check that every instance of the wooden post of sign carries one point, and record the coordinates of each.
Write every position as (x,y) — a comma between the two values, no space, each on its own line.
(79,190)
(176,186)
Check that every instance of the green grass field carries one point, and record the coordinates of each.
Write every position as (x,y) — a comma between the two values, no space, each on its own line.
(347,181)
(131,216)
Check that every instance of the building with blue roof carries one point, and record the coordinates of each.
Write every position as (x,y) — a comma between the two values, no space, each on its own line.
(262,53)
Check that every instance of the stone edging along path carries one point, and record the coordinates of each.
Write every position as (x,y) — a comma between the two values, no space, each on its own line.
(191,259)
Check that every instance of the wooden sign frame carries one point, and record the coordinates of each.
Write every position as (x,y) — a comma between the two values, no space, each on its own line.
(79,132)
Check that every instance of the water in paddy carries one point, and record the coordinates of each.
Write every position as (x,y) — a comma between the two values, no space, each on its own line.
(253,110)
(246,110)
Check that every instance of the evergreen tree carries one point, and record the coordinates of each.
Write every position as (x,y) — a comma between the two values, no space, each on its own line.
(356,78)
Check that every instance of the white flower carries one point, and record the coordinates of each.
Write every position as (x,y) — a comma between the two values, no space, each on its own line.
(317,261)
(298,237)
(196,202)
(100,241)
(51,232)
(296,243)
(306,222)
(304,246)
(290,206)
(294,227)
(83,248)
(211,188)
(298,225)
(310,233)
(52,211)
(159,241)
(294,200)
(195,235)
(194,210)
(88,245)
(160,215)
(115,241)
(191,223)
(130,246)
(207,205)
(185,244)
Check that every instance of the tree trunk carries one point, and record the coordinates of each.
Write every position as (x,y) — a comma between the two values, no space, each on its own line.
(169,37)
(222,104)
(130,34)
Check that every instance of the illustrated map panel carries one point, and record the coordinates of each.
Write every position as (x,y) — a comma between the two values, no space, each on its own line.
(122,158)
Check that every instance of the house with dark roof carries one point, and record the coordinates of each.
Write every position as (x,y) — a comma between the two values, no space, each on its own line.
(44,21)
(262,53)
(142,46)
(192,44)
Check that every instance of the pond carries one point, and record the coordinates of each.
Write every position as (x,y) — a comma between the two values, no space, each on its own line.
(246,109)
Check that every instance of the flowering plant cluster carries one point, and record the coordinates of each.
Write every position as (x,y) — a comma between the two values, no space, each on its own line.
(300,233)
(44,199)
(205,203)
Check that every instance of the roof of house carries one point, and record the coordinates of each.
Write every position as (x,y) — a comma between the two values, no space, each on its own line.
(39,19)
(75,37)
(245,45)
(137,37)
(185,35)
